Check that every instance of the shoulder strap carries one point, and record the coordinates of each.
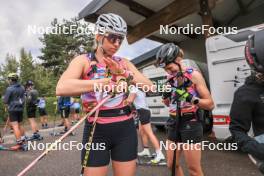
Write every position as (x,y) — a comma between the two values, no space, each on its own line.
(91,56)
(188,73)
(93,68)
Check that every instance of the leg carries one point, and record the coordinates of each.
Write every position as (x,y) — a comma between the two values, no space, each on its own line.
(144,136)
(31,112)
(146,129)
(127,168)
(144,141)
(33,124)
(16,129)
(46,121)
(22,131)
(98,171)
(193,133)
(170,152)
(65,113)
(78,114)
(42,120)
(98,160)
(14,118)
(67,122)
(124,150)
(193,159)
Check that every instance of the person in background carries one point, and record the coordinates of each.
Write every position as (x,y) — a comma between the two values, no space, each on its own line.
(76,110)
(14,98)
(64,103)
(188,94)
(138,98)
(247,110)
(42,112)
(31,107)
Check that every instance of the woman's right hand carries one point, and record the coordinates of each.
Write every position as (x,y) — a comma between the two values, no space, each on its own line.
(113,65)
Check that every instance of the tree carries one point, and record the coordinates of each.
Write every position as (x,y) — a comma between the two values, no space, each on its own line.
(26,66)
(11,65)
(59,49)
(45,81)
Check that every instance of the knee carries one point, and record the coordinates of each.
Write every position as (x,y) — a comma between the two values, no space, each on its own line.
(195,170)
(170,165)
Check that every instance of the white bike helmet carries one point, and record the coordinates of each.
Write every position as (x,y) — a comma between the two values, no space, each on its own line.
(111,23)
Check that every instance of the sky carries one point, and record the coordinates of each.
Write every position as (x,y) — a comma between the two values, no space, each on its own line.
(16,16)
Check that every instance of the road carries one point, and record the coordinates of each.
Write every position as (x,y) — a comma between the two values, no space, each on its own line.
(67,163)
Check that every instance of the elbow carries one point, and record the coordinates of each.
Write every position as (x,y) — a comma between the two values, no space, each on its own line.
(59,90)
(212,106)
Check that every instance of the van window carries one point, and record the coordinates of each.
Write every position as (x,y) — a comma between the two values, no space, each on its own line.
(241,36)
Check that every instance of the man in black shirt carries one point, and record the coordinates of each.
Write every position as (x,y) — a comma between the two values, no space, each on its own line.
(248,105)
(14,98)
(31,106)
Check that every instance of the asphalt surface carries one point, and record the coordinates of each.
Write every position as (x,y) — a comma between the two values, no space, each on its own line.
(67,163)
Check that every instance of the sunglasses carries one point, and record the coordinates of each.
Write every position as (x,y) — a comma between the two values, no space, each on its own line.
(113,38)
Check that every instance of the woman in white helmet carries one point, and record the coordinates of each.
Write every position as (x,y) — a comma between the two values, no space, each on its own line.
(115,136)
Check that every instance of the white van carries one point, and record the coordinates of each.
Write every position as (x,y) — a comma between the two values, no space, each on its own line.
(227,71)
(159,112)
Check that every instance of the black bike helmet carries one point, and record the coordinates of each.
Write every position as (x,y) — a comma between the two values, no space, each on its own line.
(167,54)
(254,51)
(29,83)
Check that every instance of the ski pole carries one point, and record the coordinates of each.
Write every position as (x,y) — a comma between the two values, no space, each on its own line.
(90,139)
(24,171)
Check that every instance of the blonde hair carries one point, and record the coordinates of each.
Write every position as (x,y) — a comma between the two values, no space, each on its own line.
(180,55)
(95,43)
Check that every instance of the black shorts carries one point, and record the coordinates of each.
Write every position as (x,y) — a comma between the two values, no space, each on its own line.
(117,141)
(144,116)
(42,112)
(77,111)
(189,131)
(31,111)
(65,112)
(16,116)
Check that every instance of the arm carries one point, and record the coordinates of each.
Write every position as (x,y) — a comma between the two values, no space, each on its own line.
(130,99)
(70,83)
(7,96)
(241,117)
(138,76)
(205,101)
